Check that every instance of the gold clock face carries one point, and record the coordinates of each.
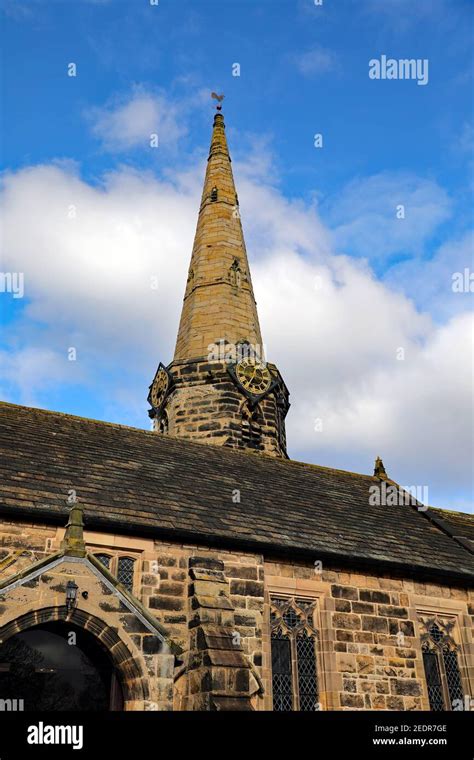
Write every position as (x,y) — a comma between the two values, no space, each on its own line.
(254,376)
(159,388)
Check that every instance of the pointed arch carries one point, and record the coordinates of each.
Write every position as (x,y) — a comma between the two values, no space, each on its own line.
(130,672)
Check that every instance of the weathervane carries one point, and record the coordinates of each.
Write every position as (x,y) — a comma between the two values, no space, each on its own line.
(219,99)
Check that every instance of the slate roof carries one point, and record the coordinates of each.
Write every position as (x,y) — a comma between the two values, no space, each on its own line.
(136,481)
(457,524)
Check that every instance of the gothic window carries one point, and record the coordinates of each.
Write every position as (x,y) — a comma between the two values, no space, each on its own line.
(121,567)
(105,559)
(440,660)
(125,572)
(294,661)
(214,193)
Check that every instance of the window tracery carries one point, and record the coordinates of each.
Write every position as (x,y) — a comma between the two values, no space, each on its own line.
(440,659)
(294,661)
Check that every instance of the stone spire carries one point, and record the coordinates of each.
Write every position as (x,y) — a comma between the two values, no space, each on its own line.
(219,303)
(219,389)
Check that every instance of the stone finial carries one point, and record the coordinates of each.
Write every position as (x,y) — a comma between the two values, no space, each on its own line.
(379,469)
(73,542)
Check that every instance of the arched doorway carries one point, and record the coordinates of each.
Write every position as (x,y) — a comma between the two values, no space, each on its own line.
(58,666)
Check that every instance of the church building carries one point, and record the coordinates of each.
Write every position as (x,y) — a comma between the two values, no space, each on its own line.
(195,566)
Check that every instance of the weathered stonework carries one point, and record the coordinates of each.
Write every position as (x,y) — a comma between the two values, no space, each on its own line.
(370,651)
(216,673)
(206,406)
(142,659)
(214,607)
(218,300)
(220,313)
(201,532)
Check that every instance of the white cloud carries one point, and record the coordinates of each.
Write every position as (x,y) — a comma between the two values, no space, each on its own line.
(14,10)
(129,123)
(465,143)
(318,60)
(367,218)
(90,254)
(431,281)
(338,333)
(31,371)
(332,327)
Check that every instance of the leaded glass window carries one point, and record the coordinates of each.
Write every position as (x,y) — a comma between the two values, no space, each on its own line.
(433,679)
(440,660)
(294,660)
(104,559)
(125,572)
(453,676)
(307,679)
(121,567)
(282,672)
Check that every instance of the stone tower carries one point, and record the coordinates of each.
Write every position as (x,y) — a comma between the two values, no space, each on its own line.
(219,388)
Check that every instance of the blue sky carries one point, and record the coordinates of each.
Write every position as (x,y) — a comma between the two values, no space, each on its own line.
(310,215)
(183,45)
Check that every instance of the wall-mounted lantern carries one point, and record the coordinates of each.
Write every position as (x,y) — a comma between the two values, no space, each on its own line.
(71,595)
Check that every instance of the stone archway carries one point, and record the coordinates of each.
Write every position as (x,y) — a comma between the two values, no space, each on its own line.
(132,680)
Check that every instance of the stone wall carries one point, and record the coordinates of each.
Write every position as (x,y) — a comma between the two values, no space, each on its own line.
(368,626)
(205,405)
(142,659)
(168,586)
(370,654)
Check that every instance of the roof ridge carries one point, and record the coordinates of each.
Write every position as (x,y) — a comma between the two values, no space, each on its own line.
(454,512)
(78,417)
(226,450)
(329,469)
